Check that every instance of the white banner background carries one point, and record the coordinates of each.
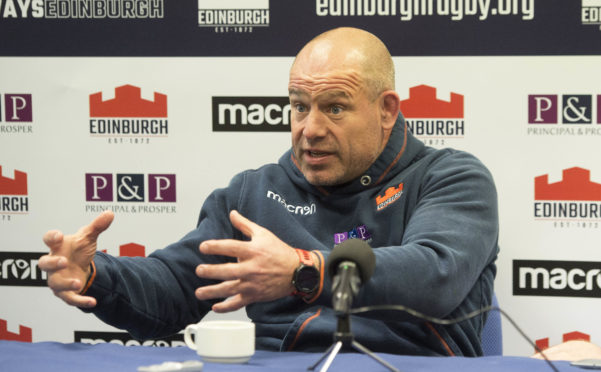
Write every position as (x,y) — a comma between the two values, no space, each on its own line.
(60,151)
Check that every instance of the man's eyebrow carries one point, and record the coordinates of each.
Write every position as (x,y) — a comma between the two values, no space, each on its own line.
(335,94)
(329,94)
(297,92)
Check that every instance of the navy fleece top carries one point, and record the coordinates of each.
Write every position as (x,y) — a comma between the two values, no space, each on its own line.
(430,216)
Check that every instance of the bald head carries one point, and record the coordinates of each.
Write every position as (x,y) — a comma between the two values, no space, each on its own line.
(351,49)
(343,105)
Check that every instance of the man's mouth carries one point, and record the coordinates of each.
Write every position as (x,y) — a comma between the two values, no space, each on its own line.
(317,154)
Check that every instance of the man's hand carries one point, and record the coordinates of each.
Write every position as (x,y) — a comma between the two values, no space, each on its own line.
(68,264)
(263,271)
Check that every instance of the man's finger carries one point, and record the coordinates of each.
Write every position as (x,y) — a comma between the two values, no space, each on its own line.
(58,283)
(220,290)
(226,271)
(231,304)
(52,263)
(78,300)
(225,247)
(53,239)
(243,224)
(98,225)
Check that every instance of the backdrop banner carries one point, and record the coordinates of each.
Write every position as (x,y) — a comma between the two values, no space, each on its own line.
(277,28)
(144,107)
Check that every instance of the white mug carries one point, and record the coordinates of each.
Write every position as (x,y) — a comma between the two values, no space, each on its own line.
(222,341)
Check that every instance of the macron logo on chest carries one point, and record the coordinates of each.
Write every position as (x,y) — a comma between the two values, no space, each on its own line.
(296,209)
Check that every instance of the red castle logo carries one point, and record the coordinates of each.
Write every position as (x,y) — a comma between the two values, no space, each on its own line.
(422,103)
(131,250)
(543,343)
(575,185)
(391,195)
(13,186)
(128,103)
(24,335)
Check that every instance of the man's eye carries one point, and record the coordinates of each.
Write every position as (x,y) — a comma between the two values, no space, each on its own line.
(300,108)
(336,110)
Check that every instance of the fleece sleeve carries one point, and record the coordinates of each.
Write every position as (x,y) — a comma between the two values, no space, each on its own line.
(154,296)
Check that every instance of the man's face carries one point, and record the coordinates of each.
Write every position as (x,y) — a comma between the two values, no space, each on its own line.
(336,126)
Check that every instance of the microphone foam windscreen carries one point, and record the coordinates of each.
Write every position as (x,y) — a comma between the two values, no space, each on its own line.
(354,250)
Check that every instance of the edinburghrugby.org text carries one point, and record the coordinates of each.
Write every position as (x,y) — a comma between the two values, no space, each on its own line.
(408,9)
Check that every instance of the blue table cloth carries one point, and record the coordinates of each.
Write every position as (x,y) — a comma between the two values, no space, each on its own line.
(54,356)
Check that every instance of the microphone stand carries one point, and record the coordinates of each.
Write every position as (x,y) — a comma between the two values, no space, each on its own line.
(343,337)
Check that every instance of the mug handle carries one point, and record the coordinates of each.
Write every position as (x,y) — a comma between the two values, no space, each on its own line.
(191,328)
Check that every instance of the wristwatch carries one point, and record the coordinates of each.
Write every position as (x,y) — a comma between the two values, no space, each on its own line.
(306,276)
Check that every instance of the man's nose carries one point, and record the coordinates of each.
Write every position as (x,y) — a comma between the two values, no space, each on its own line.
(315,125)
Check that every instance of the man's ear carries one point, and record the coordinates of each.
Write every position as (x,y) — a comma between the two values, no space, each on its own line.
(390,106)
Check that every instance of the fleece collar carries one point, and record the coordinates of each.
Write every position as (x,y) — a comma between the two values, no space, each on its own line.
(400,150)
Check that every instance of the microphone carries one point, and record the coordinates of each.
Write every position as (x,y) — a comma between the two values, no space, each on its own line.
(350,264)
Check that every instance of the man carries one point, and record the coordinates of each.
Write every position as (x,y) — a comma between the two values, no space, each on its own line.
(354,171)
